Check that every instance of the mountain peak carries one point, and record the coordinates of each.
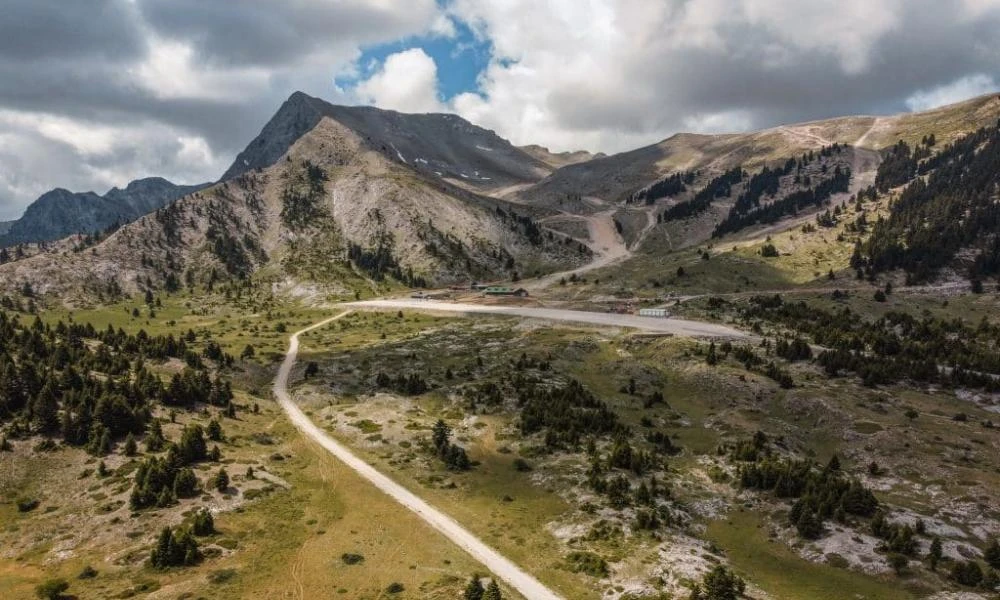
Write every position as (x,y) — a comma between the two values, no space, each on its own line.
(437,144)
(296,116)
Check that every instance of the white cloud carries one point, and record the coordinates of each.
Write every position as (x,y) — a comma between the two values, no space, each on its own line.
(618,72)
(406,81)
(171,72)
(93,156)
(719,122)
(177,87)
(848,29)
(956,91)
(172,88)
(613,74)
(443,26)
(976,8)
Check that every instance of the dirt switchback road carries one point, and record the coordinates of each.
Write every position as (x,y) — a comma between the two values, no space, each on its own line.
(680,327)
(503,568)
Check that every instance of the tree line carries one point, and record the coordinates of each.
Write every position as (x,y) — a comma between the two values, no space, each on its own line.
(951,208)
(90,387)
(896,346)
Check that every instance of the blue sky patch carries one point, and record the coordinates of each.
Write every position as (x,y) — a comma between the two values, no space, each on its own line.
(460,59)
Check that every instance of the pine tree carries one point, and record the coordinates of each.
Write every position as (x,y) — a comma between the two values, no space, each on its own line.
(46,410)
(160,554)
(834,464)
(131,447)
(155,439)
(808,525)
(493,591)
(221,480)
(935,553)
(992,554)
(204,523)
(214,431)
(192,445)
(720,584)
(474,591)
(185,484)
(441,434)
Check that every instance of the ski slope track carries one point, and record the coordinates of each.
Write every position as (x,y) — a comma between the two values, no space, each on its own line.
(500,566)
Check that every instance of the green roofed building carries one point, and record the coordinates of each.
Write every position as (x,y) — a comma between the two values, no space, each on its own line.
(498,290)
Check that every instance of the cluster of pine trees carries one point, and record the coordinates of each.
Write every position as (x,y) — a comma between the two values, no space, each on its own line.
(231,253)
(755,363)
(453,455)
(405,385)
(523,224)
(49,381)
(746,216)
(620,493)
(475,590)
(175,548)
(668,186)
(718,187)
(161,481)
(819,493)
(894,347)
(565,412)
(719,584)
(570,417)
(300,208)
(380,261)
(954,208)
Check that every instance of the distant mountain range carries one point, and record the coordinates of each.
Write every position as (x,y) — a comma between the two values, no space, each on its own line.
(338,198)
(59,213)
(334,197)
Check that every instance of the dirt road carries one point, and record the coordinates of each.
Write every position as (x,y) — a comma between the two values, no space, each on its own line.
(679,327)
(501,567)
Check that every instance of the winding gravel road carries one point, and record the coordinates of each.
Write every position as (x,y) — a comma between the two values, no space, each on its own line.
(503,568)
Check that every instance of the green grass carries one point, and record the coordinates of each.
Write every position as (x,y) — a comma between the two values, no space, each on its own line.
(777,570)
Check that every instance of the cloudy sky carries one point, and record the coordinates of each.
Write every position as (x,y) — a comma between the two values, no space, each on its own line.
(94,93)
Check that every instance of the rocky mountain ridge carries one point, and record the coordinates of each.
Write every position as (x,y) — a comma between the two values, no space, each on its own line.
(335,211)
(60,213)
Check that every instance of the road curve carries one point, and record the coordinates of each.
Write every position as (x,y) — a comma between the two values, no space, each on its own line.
(680,327)
(501,567)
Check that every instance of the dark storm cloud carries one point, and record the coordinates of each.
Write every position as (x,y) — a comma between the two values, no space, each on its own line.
(36,30)
(252,32)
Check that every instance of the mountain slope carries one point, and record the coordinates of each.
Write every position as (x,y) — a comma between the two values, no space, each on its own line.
(614,178)
(334,210)
(59,213)
(947,213)
(441,145)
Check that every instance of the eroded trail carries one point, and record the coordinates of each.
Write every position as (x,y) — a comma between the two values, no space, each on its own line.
(605,242)
(500,566)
